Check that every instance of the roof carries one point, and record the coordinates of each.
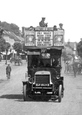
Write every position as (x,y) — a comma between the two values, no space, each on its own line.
(71,45)
(12,35)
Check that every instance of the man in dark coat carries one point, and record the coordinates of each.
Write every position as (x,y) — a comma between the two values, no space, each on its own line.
(8,70)
(75,68)
(42,23)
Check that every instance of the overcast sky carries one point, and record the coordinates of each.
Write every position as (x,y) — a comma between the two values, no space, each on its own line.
(29,13)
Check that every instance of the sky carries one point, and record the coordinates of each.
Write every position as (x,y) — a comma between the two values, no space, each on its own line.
(29,13)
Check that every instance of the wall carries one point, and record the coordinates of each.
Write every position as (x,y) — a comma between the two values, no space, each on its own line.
(8,39)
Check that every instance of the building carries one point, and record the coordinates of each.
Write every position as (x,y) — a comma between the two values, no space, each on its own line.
(11,38)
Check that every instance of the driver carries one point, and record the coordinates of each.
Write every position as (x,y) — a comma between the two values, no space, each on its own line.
(34,62)
(55,63)
(41,64)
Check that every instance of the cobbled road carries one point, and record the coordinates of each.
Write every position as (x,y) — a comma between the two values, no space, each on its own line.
(11,97)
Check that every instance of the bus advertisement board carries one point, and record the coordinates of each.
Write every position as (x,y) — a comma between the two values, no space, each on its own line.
(59,38)
(29,38)
(44,38)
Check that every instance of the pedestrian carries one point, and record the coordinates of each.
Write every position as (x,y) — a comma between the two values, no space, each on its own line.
(75,68)
(8,71)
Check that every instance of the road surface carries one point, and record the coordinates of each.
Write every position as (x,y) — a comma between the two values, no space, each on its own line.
(11,98)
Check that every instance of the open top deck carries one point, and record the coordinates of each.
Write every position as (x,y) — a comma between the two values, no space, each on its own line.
(44,37)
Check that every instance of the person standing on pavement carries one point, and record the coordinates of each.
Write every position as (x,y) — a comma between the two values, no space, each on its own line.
(8,71)
(75,68)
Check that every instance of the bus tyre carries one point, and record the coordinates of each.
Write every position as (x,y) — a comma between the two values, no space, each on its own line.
(24,93)
(60,93)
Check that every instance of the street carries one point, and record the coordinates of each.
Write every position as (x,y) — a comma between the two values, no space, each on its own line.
(11,97)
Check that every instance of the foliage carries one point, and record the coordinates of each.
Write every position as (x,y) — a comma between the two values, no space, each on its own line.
(66,55)
(17,47)
(10,27)
(79,48)
(2,44)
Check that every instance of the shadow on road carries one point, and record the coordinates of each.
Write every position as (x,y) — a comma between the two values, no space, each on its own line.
(12,96)
(19,98)
(2,80)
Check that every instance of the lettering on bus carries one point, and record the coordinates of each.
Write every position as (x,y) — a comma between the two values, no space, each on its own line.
(44,38)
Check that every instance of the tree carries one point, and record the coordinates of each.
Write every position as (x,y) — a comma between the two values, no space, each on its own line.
(7,46)
(2,45)
(10,27)
(65,56)
(18,47)
(79,48)
(2,42)
(14,28)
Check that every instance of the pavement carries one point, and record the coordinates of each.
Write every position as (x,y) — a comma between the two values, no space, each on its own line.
(2,63)
(3,69)
(11,97)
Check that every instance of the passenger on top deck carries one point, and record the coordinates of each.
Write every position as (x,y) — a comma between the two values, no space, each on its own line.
(42,23)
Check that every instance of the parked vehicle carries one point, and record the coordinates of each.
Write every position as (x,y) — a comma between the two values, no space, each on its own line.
(16,60)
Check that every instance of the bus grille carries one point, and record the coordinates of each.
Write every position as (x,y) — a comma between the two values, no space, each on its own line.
(42,79)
